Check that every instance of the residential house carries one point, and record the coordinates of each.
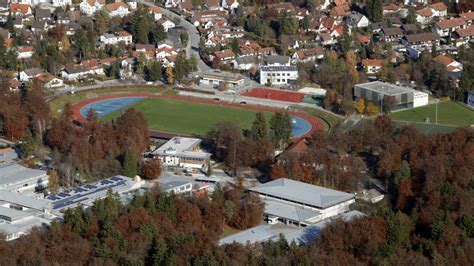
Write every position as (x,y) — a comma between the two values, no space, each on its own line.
(468,17)
(424,16)
(89,7)
(223,56)
(289,42)
(251,47)
(43,14)
(341,8)
(281,7)
(439,9)
(156,11)
(20,10)
(278,75)
(39,26)
(356,20)
(278,60)
(391,8)
(212,5)
(327,24)
(444,28)
(246,62)
(118,9)
(463,36)
(230,5)
(410,29)
(49,81)
(308,55)
(325,39)
(166,23)
(202,17)
(372,66)
(421,41)
(116,38)
(61,3)
(187,7)
(392,34)
(453,67)
(25,52)
(416,3)
(29,74)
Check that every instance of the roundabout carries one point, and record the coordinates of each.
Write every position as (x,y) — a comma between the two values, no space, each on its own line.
(189,116)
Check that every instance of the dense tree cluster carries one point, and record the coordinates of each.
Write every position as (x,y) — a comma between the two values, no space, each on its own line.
(95,149)
(252,148)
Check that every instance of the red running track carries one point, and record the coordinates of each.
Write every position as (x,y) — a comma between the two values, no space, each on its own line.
(275,94)
(315,124)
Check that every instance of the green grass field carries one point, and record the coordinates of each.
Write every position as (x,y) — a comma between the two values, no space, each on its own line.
(189,118)
(449,113)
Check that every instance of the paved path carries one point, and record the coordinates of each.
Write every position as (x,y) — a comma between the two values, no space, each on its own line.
(315,124)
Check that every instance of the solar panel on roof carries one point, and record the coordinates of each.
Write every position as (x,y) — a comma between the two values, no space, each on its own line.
(116,178)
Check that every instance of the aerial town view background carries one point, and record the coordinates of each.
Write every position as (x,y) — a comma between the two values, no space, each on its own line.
(237,132)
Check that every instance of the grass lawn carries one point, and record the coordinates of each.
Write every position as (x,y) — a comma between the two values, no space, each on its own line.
(57,104)
(449,113)
(189,118)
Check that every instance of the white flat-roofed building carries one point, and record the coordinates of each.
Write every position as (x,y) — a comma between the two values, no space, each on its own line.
(404,97)
(20,179)
(278,75)
(216,78)
(184,153)
(15,223)
(115,38)
(176,185)
(20,213)
(294,202)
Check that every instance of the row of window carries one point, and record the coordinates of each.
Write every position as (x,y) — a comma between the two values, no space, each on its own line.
(278,74)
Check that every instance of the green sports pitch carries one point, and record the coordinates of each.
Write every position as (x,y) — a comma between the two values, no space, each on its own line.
(449,113)
(188,117)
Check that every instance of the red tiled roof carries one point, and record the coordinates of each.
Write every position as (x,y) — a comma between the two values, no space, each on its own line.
(23,8)
(467,15)
(115,6)
(468,32)
(372,62)
(442,59)
(424,12)
(224,54)
(450,23)
(301,146)
(439,6)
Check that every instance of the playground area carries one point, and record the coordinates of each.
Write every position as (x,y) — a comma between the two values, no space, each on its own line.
(187,115)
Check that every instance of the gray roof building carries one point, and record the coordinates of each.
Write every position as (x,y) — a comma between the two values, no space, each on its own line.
(302,193)
(278,60)
(19,178)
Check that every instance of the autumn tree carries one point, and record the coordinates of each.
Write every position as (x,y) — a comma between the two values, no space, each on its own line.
(169,75)
(151,169)
(259,127)
(360,105)
(53,182)
(280,129)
